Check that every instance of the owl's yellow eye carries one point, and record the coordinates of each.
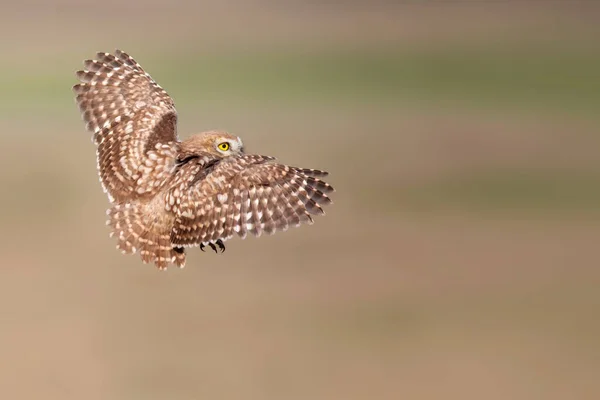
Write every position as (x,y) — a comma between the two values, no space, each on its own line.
(223,146)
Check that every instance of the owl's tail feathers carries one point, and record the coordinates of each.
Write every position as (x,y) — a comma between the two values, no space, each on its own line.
(135,232)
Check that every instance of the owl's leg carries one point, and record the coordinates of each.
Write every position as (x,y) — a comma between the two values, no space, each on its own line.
(221,245)
(178,254)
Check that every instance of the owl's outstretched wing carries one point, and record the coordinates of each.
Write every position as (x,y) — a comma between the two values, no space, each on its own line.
(134,123)
(248,193)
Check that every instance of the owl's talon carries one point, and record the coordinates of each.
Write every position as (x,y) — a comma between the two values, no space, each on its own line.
(202,246)
(212,246)
(221,245)
(178,250)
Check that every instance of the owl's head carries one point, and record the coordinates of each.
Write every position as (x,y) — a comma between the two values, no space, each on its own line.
(219,144)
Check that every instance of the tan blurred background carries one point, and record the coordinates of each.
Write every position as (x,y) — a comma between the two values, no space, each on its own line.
(459,261)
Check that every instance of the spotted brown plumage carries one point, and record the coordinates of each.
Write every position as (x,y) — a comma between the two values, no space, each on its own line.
(168,194)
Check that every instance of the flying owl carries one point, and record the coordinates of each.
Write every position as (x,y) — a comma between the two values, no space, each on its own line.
(167,194)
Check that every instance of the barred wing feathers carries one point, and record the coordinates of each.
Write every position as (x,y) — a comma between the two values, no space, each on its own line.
(134,125)
(245,194)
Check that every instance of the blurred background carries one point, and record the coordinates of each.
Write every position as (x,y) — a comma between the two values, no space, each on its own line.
(459,260)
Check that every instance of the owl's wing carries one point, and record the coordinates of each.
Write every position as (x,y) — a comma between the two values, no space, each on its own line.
(134,124)
(248,193)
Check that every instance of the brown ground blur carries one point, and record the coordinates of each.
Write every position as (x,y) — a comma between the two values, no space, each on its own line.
(459,260)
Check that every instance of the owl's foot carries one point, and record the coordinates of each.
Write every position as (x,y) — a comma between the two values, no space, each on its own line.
(212,246)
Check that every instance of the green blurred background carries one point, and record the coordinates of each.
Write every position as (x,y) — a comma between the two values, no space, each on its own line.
(459,261)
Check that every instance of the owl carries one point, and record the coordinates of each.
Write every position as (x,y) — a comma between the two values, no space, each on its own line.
(168,194)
